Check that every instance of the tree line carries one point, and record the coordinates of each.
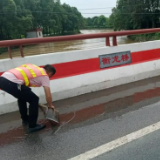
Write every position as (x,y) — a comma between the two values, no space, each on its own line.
(135,14)
(97,22)
(18,16)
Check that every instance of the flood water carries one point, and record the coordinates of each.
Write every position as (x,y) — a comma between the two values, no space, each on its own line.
(67,45)
(95,43)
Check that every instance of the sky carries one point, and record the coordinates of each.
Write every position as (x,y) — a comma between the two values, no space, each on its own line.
(92,7)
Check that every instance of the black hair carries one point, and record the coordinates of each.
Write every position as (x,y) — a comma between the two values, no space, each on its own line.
(50,68)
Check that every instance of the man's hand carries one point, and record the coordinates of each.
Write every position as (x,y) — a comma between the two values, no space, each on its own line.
(52,107)
(48,97)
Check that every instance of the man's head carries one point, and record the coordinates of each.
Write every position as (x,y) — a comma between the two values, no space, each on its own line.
(50,70)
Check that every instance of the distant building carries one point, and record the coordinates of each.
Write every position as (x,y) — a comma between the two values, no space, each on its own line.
(37,33)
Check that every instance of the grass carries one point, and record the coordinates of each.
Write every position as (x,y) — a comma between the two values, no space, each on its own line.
(145,37)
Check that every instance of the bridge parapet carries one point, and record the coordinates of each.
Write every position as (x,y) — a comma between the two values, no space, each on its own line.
(79,72)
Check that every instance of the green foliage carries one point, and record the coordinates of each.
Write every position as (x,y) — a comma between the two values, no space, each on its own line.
(18,16)
(97,22)
(2,50)
(135,14)
(145,37)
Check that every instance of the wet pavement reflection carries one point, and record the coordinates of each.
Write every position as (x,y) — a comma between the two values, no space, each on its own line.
(84,110)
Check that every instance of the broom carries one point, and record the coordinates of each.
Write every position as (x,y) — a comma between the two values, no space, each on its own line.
(49,113)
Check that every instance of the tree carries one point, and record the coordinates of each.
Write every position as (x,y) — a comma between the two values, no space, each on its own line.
(18,16)
(135,14)
(8,14)
(97,22)
(102,21)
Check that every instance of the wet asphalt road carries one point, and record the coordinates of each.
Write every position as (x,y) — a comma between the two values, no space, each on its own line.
(94,119)
(146,148)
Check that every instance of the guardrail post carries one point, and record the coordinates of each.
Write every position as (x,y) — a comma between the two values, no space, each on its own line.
(114,41)
(9,51)
(21,50)
(107,41)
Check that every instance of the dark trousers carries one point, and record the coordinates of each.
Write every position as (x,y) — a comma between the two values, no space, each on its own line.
(23,94)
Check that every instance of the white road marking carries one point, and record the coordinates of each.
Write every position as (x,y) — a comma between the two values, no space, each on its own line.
(117,143)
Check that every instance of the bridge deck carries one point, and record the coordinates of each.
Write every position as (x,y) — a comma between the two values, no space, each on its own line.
(87,122)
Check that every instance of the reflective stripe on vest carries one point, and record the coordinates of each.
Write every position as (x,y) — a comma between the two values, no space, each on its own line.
(40,69)
(26,80)
(32,72)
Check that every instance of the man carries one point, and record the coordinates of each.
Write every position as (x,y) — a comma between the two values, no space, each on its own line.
(17,82)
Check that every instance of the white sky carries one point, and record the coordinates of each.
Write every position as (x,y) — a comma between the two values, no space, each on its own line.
(96,6)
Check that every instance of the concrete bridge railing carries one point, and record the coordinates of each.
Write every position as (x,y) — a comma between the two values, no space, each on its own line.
(79,72)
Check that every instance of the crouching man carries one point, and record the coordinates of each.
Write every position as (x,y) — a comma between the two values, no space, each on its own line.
(18,81)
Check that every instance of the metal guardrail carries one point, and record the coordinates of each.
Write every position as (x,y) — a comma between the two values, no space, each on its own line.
(21,42)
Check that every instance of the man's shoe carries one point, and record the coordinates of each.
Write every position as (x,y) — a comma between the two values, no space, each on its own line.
(36,128)
(25,123)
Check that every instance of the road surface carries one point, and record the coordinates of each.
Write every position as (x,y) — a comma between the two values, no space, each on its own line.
(120,123)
